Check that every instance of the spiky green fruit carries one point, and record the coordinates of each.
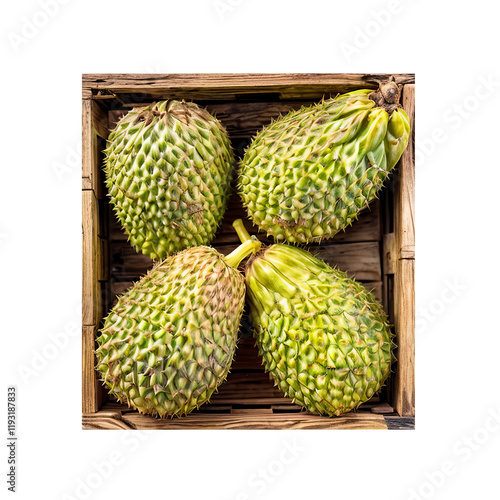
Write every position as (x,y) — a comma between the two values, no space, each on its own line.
(168,168)
(169,341)
(324,338)
(306,176)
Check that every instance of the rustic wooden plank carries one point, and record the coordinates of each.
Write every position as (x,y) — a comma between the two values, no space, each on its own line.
(87,144)
(399,423)
(105,419)
(382,408)
(211,408)
(229,85)
(404,323)
(91,260)
(94,125)
(404,195)
(404,278)
(251,411)
(259,421)
(86,183)
(92,391)
(286,408)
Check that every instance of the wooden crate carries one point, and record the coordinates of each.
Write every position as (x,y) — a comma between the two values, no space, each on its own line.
(378,249)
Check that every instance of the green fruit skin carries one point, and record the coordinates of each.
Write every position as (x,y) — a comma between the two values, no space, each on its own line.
(324,338)
(306,176)
(169,341)
(168,170)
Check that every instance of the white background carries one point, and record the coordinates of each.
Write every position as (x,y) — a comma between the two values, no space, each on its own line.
(453,49)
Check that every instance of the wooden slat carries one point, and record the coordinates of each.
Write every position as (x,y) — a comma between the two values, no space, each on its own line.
(250,411)
(228,86)
(91,260)
(94,125)
(404,319)
(287,408)
(92,390)
(87,144)
(259,420)
(404,279)
(399,423)
(404,204)
(104,420)
(382,408)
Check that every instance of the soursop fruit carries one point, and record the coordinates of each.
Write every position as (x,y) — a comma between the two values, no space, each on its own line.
(168,169)
(324,338)
(306,176)
(168,343)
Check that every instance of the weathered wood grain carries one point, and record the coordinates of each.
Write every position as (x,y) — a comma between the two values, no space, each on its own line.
(404,278)
(91,260)
(92,391)
(259,420)
(94,125)
(404,195)
(394,422)
(232,86)
(404,323)
(104,419)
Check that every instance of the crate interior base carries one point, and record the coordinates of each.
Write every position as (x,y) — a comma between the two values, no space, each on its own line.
(281,415)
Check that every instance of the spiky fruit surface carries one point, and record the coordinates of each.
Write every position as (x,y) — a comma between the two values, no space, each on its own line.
(169,341)
(168,170)
(324,339)
(306,176)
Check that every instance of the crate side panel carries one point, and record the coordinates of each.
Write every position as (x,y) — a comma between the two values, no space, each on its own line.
(114,416)
(231,86)
(404,278)
(404,318)
(94,133)
(93,394)
(91,260)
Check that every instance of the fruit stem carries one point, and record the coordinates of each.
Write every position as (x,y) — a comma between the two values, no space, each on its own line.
(241,231)
(387,95)
(243,251)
